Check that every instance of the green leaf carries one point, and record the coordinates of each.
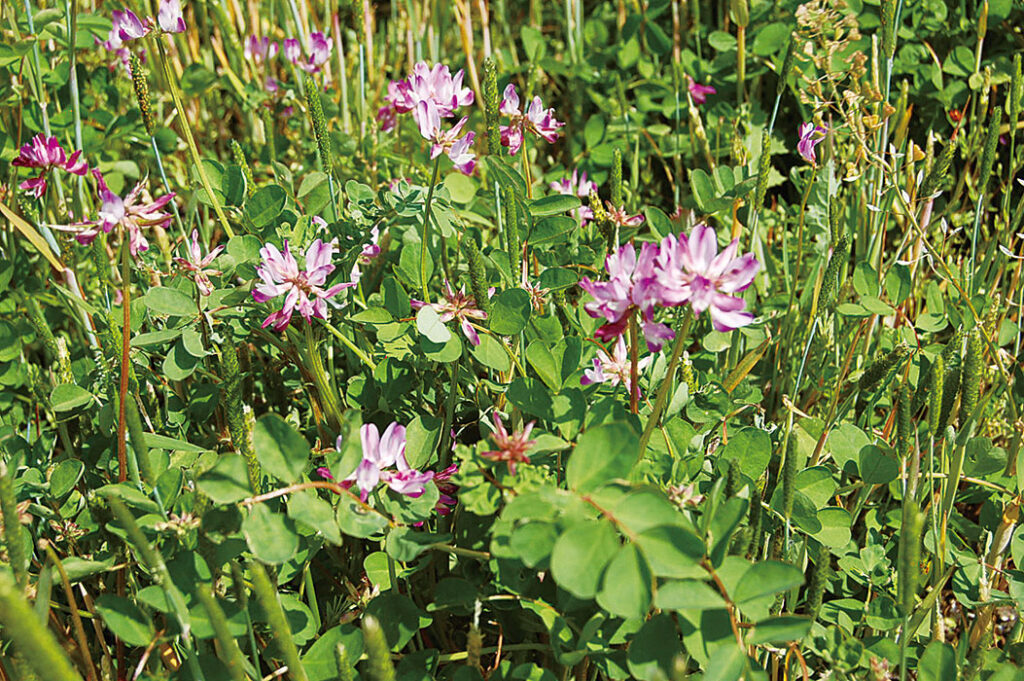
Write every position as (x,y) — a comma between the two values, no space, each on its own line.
(405,544)
(421,436)
(490,354)
(555,204)
(125,620)
(271,536)
(358,522)
(65,476)
(726,663)
(876,467)
(531,396)
(320,661)
(770,39)
(281,451)
(68,396)
(660,223)
(264,207)
(169,301)
(446,352)
(605,453)
(672,551)
(626,589)
(510,311)
(244,248)
(580,555)
(765,579)
(430,326)
(938,663)
(558,278)
(751,450)
(688,595)
(653,650)
(703,190)
(179,363)
(399,617)
(780,629)
(308,508)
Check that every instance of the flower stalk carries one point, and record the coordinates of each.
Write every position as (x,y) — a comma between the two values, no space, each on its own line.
(682,335)
(425,231)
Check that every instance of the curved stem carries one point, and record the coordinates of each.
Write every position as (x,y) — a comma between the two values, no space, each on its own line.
(425,232)
(666,382)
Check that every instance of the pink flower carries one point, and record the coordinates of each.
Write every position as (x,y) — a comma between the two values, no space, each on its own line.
(691,270)
(260,50)
(447,489)
(511,448)
(169,16)
(699,92)
(303,289)
(199,265)
(457,305)
(46,154)
(620,217)
(537,120)
(577,185)
(381,453)
(810,137)
(127,26)
(387,115)
(292,50)
(318,52)
(435,85)
(447,141)
(366,256)
(630,288)
(614,367)
(130,213)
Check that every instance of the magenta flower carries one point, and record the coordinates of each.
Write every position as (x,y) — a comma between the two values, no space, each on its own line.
(537,120)
(303,289)
(435,85)
(691,270)
(699,92)
(317,53)
(198,265)
(457,305)
(447,141)
(810,137)
(169,16)
(292,50)
(577,185)
(260,50)
(614,367)
(127,26)
(381,454)
(46,154)
(447,489)
(630,288)
(131,213)
(511,447)
(621,218)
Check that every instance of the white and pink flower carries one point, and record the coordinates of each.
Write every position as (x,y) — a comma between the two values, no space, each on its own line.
(46,154)
(537,120)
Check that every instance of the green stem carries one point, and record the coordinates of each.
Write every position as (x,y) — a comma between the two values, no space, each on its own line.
(328,397)
(425,232)
(659,404)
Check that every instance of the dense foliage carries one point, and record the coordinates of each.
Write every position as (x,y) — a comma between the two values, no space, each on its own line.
(619,339)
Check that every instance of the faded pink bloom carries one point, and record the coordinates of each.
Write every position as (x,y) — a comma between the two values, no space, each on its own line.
(577,185)
(303,289)
(447,489)
(537,120)
(169,16)
(198,265)
(317,53)
(614,367)
(457,305)
(366,256)
(46,154)
(810,137)
(388,117)
(692,271)
(446,141)
(381,454)
(511,448)
(630,287)
(131,213)
(621,218)
(699,92)
(260,50)
(292,50)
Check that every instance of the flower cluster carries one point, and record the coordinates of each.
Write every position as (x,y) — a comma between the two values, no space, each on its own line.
(260,51)
(198,265)
(699,93)
(431,94)
(127,26)
(318,51)
(537,120)
(456,305)
(614,367)
(577,185)
(512,447)
(303,289)
(679,271)
(46,154)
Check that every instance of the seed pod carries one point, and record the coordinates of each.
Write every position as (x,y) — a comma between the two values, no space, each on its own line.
(790,467)
(12,527)
(764,166)
(935,393)
(889,28)
(513,237)
(36,645)
(616,181)
(346,672)
(940,168)
(316,116)
(973,369)
(787,65)
(239,155)
(491,105)
(477,272)
(141,86)
(231,654)
(820,573)
(877,370)
(910,555)
(988,158)
(266,594)
(379,666)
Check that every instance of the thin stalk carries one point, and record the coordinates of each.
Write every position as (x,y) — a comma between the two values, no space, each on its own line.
(167,185)
(445,455)
(126,273)
(425,231)
(659,404)
(328,397)
(634,390)
(363,357)
(76,107)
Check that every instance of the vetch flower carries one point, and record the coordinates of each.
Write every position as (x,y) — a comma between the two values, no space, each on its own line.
(630,288)
(447,141)
(303,289)
(131,213)
(199,265)
(511,447)
(577,185)
(699,92)
(434,85)
(384,461)
(260,50)
(127,26)
(46,154)
(292,50)
(621,218)
(614,367)
(692,271)
(318,51)
(447,490)
(810,137)
(457,305)
(537,120)
(169,16)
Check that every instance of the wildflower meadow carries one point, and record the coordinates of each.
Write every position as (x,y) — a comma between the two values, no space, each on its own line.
(511,340)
